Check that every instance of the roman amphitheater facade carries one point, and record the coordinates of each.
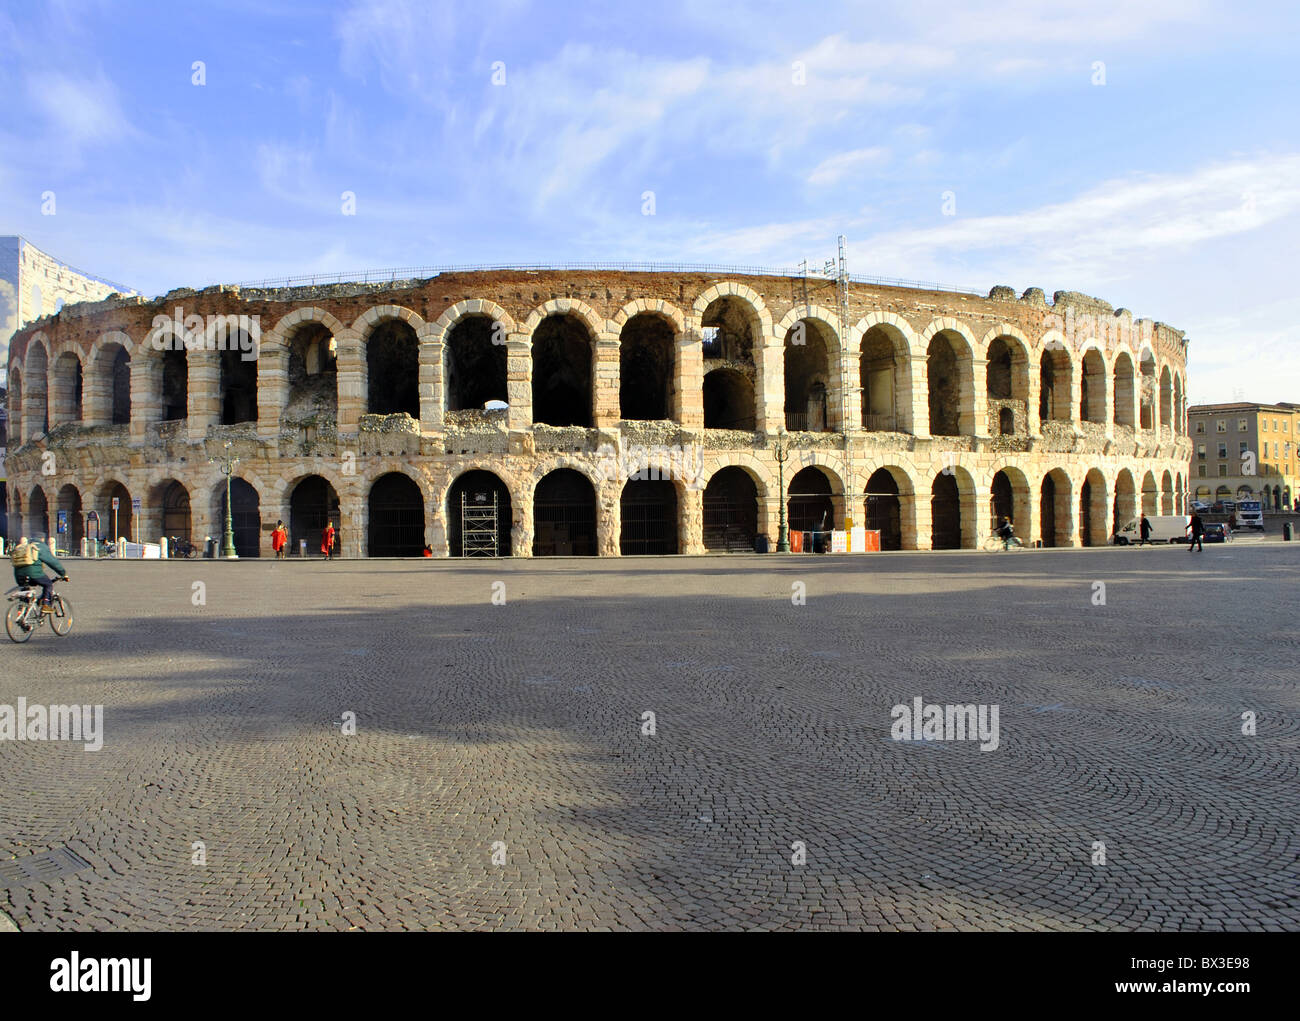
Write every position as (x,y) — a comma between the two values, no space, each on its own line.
(640,412)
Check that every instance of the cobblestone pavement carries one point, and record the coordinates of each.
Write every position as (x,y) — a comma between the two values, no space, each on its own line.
(522,723)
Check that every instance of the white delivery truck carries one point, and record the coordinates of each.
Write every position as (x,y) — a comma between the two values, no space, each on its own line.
(1250,514)
(1164,528)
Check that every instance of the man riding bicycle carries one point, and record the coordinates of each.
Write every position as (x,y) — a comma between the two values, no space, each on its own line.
(27,558)
(1006,533)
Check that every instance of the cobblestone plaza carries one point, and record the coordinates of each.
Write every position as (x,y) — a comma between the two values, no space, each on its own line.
(499,776)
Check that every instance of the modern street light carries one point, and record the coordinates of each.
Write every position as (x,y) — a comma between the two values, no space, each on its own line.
(782,454)
(227,462)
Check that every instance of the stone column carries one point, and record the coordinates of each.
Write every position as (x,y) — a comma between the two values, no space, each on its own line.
(690,532)
(1034,394)
(519,381)
(609,518)
(974,418)
(688,388)
(907,521)
(914,406)
(204,385)
(354,522)
(351,363)
(605,411)
(522,527)
(1109,397)
(272,390)
(924,515)
(431,385)
(849,390)
(769,384)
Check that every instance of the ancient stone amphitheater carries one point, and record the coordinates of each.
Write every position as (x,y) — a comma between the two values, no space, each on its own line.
(548,412)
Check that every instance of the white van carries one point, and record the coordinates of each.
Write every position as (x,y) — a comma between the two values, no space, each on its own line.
(1164,528)
(1250,514)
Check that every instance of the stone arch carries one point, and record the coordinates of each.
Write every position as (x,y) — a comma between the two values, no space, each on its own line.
(564,512)
(747,295)
(885,345)
(1056,509)
(390,360)
(1093,504)
(952,510)
(1147,389)
(1125,506)
(811,372)
(1005,350)
(815,498)
(566,306)
(1012,497)
(650,306)
(1166,398)
(15,412)
(38,515)
(111,528)
(731,511)
(1092,384)
(949,373)
(36,374)
(650,515)
(1180,494)
(889,506)
(68,499)
(67,382)
(168,508)
(648,367)
(564,349)
(245,513)
(1124,376)
(467,535)
(729,400)
(1150,494)
(474,352)
(1166,493)
(1056,381)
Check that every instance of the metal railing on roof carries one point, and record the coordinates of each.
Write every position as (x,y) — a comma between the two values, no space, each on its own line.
(380,276)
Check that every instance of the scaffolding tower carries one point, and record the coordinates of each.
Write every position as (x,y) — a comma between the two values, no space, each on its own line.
(478,524)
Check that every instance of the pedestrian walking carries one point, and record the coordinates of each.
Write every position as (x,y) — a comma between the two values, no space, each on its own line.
(1197,528)
(1145,528)
(279,539)
(327,539)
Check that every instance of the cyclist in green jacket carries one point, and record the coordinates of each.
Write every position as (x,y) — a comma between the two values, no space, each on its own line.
(28,558)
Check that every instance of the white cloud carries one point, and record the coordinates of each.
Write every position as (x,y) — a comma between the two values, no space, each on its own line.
(833,168)
(80,111)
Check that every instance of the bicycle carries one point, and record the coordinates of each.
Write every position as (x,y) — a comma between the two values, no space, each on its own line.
(178,547)
(24,615)
(995,542)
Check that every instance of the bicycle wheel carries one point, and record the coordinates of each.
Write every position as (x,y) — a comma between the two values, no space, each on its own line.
(15,627)
(61,618)
(992,543)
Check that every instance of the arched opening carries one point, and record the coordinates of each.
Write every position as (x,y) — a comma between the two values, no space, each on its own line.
(1180,409)
(120,413)
(728,401)
(66,388)
(1057,524)
(1123,376)
(37,365)
(177,521)
(1006,422)
(313,372)
(884,510)
(475,364)
(1180,494)
(1203,494)
(14,426)
(808,378)
(479,516)
(729,326)
(1166,397)
(945,513)
(1150,495)
(38,515)
(1001,500)
(564,515)
(1007,386)
(115,524)
(810,507)
(393,370)
(943,369)
(175,384)
(1054,386)
(238,379)
(649,518)
(1092,388)
(1166,493)
(999,369)
(69,502)
(730,512)
(562,372)
(396,512)
(312,505)
(881,365)
(245,518)
(1147,393)
(646,367)
(1126,502)
(1092,509)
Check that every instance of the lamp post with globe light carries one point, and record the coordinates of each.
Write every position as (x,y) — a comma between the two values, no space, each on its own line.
(781,452)
(227,462)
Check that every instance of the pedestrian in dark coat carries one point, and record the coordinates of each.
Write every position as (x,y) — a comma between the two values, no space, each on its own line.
(1197,528)
(1145,528)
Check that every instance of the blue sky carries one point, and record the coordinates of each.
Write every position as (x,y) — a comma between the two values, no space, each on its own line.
(1172,189)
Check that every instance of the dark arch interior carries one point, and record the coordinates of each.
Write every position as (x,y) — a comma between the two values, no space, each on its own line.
(945,393)
(999,370)
(730,512)
(69,501)
(175,385)
(476,367)
(121,410)
(479,516)
(246,518)
(728,401)
(177,521)
(945,513)
(122,518)
(396,517)
(393,370)
(1002,499)
(645,369)
(238,385)
(649,513)
(810,508)
(564,515)
(884,511)
(313,503)
(562,372)
(313,367)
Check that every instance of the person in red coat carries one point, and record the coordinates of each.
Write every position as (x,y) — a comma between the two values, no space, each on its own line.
(278,538)
(327,539)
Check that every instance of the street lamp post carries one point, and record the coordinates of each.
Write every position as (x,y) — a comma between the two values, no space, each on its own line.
(227,463)
(782,454)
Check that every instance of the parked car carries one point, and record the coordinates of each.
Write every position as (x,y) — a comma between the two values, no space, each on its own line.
(1217,531)
(1200,506)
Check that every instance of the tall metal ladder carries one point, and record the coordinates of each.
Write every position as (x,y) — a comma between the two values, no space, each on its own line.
(478,524)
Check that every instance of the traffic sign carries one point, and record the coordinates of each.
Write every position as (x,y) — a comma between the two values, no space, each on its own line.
(115,503)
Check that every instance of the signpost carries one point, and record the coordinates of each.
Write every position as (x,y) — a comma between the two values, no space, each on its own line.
(135,517)
(114,519)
